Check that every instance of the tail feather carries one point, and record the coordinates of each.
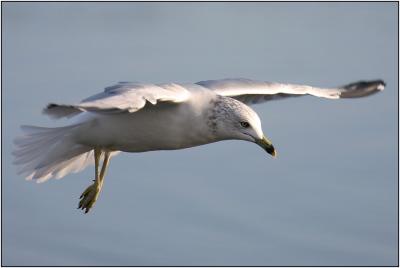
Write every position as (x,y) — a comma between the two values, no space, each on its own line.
(61,169)
(77,164)
(42,153)
(28,152)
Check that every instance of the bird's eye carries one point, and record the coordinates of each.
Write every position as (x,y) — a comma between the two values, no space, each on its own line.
(244,124)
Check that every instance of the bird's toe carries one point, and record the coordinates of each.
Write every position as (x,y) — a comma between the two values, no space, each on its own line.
(88,198)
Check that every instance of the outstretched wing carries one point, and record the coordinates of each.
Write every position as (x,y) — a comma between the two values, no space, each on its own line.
(123,97)
(252,92)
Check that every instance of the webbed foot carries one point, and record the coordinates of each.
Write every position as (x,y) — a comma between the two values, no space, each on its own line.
(89,197)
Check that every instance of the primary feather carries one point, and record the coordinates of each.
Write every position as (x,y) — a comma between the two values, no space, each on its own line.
(252,92)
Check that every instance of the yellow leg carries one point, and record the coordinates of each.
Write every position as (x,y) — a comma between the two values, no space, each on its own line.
(104,167)
(90,195)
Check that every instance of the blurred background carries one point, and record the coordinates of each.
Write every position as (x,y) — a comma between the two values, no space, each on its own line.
(330,198)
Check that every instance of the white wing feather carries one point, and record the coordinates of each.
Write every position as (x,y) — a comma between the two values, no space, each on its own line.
(251,92)
(123,97)
(131,97)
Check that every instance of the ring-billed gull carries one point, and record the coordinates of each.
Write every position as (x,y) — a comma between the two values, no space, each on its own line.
(136,117)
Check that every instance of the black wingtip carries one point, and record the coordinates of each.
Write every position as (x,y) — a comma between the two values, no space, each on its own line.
(378,83)
(362,88)
(51,105)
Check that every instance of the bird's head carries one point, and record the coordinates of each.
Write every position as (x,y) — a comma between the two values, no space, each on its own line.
(233,119)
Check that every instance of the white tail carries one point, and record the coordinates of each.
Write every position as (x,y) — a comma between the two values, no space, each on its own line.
(42,153)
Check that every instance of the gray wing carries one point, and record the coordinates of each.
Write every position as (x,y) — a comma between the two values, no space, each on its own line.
(252,92)
(124,97)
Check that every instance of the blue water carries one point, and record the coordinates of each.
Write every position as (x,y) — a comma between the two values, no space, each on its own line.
(330,198)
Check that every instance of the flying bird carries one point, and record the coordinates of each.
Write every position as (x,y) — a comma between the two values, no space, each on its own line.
(139,117)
